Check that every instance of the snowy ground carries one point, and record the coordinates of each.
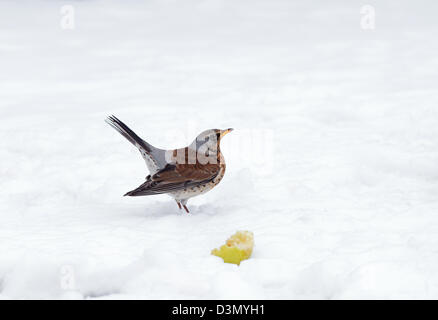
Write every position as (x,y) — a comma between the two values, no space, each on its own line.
(332,164)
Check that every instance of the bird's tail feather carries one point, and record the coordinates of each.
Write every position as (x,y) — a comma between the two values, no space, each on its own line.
(130,135)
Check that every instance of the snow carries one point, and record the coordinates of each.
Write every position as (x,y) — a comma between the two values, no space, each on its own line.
(332,163)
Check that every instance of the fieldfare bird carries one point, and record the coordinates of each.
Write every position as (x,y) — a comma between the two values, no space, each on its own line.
(181,173)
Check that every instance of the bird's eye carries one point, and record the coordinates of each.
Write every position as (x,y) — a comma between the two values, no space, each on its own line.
(207,138)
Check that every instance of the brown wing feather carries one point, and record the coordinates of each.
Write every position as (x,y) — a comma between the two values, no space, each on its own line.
(177,177)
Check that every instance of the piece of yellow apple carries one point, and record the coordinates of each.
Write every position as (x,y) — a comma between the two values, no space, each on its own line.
(237,248)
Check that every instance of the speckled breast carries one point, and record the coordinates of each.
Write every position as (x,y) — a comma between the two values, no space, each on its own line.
(195,191)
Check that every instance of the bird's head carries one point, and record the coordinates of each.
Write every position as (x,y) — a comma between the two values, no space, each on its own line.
(211,137)
(208,141)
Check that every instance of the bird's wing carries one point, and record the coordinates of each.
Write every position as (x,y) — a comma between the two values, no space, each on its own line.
(176,178)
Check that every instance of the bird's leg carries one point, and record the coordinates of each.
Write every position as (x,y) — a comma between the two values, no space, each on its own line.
(184,202)
(179,205)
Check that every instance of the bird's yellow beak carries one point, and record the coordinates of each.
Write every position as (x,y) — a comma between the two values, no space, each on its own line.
(224,132)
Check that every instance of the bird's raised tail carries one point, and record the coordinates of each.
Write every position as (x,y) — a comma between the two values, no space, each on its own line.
(130,135)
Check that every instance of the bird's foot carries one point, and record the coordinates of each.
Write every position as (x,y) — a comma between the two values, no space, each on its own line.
(185,208)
